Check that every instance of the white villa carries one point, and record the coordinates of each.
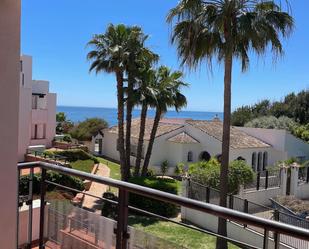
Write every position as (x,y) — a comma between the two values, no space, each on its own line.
(37,110)
(186,140)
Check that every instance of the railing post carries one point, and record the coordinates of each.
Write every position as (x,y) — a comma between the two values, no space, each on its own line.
(122,235)
(265,241)
(207,194)
(231,201)
(30,213)
(266,180)
(258,176)
(246,208)
(276,235)
(42,208)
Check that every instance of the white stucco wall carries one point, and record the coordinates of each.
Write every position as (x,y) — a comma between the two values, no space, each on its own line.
(43,116)
(281,140)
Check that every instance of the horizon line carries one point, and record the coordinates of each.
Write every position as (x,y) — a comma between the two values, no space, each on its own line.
(185,110)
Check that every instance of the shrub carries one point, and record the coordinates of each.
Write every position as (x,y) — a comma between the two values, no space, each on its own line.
(151,205)
(208,173)
(68,181)
(180,169)
(67,138)
(75,154)
(271,122)
(109,209)
(164,167)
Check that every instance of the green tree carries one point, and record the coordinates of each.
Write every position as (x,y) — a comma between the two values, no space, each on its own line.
(61,117)
(227,30)
(164,167)
(271,122)
(110,54)
(168,85)
(63,124)
(84,131)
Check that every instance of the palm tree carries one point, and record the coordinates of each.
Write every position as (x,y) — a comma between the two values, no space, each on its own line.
(227,30)
(168,86)
(140,57)
(146,97)
(110,54)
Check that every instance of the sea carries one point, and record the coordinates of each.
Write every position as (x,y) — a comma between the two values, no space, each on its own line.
(78,114)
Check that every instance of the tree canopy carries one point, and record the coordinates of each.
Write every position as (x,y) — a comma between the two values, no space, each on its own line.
(84,131)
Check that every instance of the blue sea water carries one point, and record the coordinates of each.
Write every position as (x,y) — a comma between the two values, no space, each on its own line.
(77,114)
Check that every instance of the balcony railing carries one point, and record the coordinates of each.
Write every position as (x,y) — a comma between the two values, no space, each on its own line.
(124,233)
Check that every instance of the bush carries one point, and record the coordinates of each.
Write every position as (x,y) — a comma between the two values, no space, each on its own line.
(151,205)
(208,173)
(180,169)
(164,167)
(68,181)
(75,154)
(67,138)
(109,209)
(271,122)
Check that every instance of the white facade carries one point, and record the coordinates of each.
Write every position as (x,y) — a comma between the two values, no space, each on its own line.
(268,151)
(37,110)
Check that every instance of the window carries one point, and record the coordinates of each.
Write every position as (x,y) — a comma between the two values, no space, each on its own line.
(44,131)
(204,156)
(240,158)
(21,65)
(23,79)
(259,163)
(253,161)
(190,156)
(34,131)
(265,160)
(133,148)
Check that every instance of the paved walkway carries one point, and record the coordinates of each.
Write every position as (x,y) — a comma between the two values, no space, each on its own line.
(96,189)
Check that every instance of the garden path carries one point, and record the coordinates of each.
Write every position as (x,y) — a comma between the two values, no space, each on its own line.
(96,189)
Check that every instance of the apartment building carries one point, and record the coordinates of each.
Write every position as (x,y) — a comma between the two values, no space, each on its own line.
(37,110)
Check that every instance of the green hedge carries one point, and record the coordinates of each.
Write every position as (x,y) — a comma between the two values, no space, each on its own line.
(151,205)
(68,181)
(74,155)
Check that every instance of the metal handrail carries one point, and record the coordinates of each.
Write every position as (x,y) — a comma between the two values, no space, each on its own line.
(222,212)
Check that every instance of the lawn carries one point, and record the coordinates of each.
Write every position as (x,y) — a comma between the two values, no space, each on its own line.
(177,234)
(114,168)
(83,165)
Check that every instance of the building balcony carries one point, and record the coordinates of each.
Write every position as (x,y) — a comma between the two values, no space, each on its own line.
(57,224)
(39,115)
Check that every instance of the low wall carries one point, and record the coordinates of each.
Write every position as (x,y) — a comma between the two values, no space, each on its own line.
(23,222)
(235,231)
(262,196)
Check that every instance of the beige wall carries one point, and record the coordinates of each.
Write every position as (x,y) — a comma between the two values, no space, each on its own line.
(9,95)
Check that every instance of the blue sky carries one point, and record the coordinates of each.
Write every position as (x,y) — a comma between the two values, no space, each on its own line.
(55,33)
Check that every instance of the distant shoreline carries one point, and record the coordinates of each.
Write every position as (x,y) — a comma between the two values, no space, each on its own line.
(77,114)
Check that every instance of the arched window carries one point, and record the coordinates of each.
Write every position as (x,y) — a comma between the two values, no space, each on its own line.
(204,156)
(259,163)
(253,161)
(265,160)
(190,156)
(240,158)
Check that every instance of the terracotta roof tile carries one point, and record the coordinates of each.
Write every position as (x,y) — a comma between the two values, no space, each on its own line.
(163,128)
(183,138)
(239,139)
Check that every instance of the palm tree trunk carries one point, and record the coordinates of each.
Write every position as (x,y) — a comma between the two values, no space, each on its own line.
(141,139)
(120,99)
(151,141)
(222,243)
(128,125)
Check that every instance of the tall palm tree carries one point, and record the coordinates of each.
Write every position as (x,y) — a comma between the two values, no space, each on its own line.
(169,94)
(227,30)
(140,57)
(145,96)
(110,54)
